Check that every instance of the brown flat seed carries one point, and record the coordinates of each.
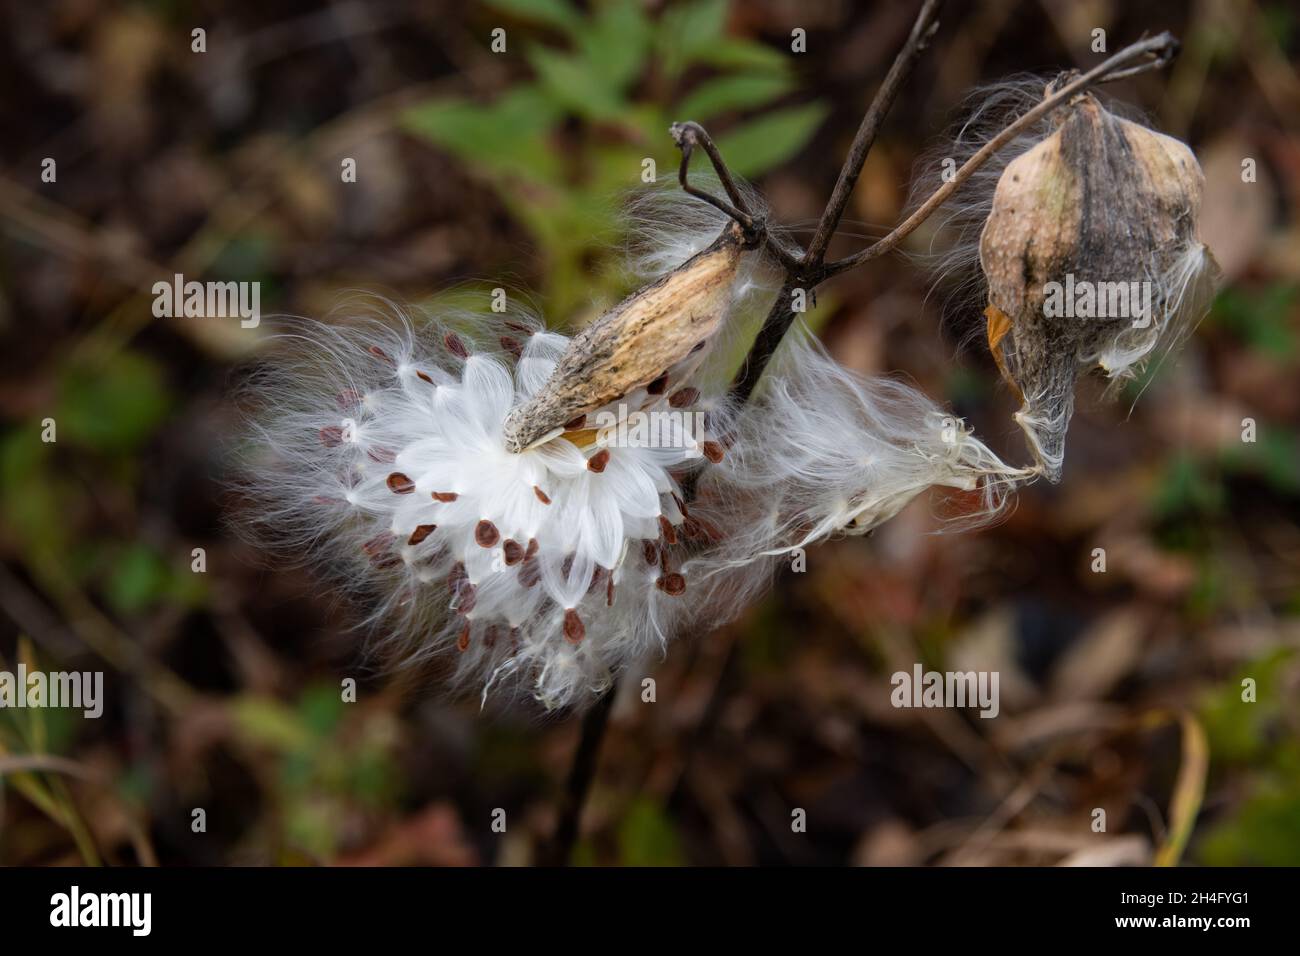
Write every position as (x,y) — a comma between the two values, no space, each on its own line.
(530,573)
(519,328)
(713,451)
(331,436)
(486,534)
(698,345)
(672,584)
(532,548)
(399,484)
(385,456)
(651,551)
(462,642)
(598,461)
(574,629)
(490,638)
(379,353)
(514,552)
(456,577)
(454,345)
(466,598)
(424,377)
(683,397)
(667,530)
(658,385)
(512,346)
(609,592)
(575,423)
(377,549)
(706,531)
(421,532)
(541,495)
(445,496)
(348,398)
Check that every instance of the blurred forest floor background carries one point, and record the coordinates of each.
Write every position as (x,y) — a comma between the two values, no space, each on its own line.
(1120,690)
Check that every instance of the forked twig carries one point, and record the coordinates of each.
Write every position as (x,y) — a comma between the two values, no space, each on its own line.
(922,30)
(805,269)
(1160,48)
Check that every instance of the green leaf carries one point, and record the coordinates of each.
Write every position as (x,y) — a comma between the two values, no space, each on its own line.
(320,707)
(1264,831)
(31,494)
(736,92)
(504,136)
(140,578)
(687,31)
(556,13)
(735,54)
(267,721)
(646,837)
(1187,488)
(615,43)
(573,83)
(1261,319)
(770,140)
(113,406)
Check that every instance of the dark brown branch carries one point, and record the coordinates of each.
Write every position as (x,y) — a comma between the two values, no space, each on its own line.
(1161,49)
(581,772)
(768,340)
(922,30)
(807,274)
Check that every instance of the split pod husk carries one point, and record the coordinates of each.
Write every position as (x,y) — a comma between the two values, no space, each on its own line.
(648,345)
(1093,259)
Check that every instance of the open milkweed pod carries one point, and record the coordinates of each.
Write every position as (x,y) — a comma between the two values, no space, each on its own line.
(1093,258)
(407,454)
(646,346)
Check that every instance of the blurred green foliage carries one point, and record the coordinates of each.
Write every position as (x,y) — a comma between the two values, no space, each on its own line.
(330,765)
(624,78)
(1260,319)
(1256,741)
(104,413)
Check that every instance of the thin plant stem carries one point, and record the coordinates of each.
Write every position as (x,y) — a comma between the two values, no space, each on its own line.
(581,773)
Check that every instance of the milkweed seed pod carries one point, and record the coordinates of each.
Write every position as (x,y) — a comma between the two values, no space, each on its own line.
(649,344)
(379,452)
(1093,259)
(476,483)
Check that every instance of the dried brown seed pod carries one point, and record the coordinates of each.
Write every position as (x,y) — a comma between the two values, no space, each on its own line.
(636,343)
(1093,258)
